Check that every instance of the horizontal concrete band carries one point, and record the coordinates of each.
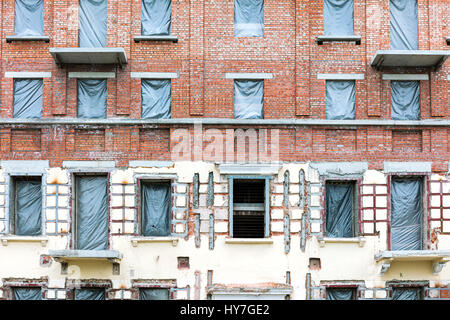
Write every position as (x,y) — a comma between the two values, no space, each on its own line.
(249,76)
(92,75)
(155,75)
(340,168)
(156,38)
(338,38)
(25,166)
(89,164)
(27,38)
(405,77)
(405,167)
(27,75)
(340,76)
(224,121)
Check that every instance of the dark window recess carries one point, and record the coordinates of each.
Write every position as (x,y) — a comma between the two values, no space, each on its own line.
(248,209)
(90,294)
(341,293)
(154,294)
(20,293)
(155,208)
(339,207)
(407,293)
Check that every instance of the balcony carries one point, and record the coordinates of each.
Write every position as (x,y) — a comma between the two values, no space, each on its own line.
(409,59)
(90,255)
(100,55)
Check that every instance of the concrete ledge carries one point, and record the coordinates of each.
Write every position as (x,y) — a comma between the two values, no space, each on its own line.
(340,168)
(156,38)
(137,240)
(89,55)
(361,241)
(409,58)
(249,76)
(155,75)
(27,75)
(405,77)
(25,166)
(249,169)
(72,255)
(249,241)
(27,38)
(448,40)
(275,288)
(355,38)
(12,238)
(341,76)
(405,167)
(92,75)
(89,164)
(150,164)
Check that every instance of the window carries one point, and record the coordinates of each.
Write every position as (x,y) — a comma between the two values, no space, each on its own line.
(406,213)
(27,98)
(407,293)
(248,18)
(249,215)
(404,28)
(405,100)
(92,23)
(338,17)
(26,293)
(154,294)
(341,293)
(91,208)
(340,103)
(90,294)
(155,208)
(249,99)
(26,206)
(29,18)
(91,98)
(156,17)
(155,99)
(340,210)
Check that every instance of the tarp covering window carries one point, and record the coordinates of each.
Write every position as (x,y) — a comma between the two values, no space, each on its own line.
(28,207)
(340,100)
(249,99)
(340,294)
(29,18)
(155,99)
(404,29)
(338,17)
(92,98)
(92,23)
(90,294)
(248,18)
(27,293)
(406,214)
(156,205)
(28,98)
(339,210)
(92,212)
(154,294)
(406,294)
(405,100)
(155,17)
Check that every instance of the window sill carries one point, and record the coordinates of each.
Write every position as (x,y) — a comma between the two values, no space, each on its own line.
(248,241)
(27,38)
(359,240)
(136,240)
(6,239)
(156,38)
(321,39)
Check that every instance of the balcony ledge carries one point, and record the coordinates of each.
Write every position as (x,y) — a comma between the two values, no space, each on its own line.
(12,238)
(409,58)
(91,255)
(156,38)
(323,38)
(136,240)
(248,241)
(10,39)
(438,258)
(359,240)
(448,40)
(89,55)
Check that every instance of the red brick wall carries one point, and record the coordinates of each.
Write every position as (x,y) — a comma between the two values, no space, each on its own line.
(206,50)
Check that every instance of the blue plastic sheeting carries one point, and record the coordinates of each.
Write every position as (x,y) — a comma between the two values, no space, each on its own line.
(340,103)
(339,210)
(405,100)
(406,293)
(156,17)
(155,99)
(248,18)
(29,18)
(406,214)
(248,99)
(154,294)
(156,205)
(91,98)
(338,17)
(28,98)
(28,207)
(92,212)
(90,294)
(404,29)
(340,294)
(27,293)
(92,23)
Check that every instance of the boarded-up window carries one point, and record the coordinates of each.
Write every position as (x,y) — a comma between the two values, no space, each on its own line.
(29,18)
(340,100)
(339,217)
(156,208)
(249,99)
(155,99)
(341,293)
(90,294)
(405,100)
(248,18)
(27,98)
(91,98)
(156,17)
(404,29)
(154,294)
(92,23)
(401,293)
(20,293)
(338,17)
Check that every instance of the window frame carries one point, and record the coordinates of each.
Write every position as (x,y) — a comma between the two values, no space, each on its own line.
(170,93)
(10,284)
(170,285)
